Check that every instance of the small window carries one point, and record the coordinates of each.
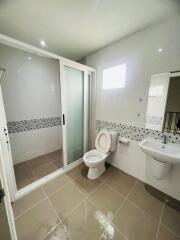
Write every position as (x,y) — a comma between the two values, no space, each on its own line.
(114,77)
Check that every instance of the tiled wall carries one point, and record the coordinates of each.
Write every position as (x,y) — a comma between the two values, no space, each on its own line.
(33,124)
(128,105)
(31,95)
(135,133)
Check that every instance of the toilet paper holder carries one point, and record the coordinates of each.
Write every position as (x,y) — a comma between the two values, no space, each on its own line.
(123,140)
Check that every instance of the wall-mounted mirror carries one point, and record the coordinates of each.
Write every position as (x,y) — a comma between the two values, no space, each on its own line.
(163,108)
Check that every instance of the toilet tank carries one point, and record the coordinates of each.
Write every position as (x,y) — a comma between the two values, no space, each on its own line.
(114,138)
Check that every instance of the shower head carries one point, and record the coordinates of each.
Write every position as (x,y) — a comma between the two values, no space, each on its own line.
(1,71)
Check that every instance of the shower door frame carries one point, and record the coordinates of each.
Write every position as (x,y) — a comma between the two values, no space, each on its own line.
(13,191)
(87,106)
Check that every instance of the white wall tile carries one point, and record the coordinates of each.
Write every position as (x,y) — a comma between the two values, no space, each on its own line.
(140,54)
(30,144)
(31,90)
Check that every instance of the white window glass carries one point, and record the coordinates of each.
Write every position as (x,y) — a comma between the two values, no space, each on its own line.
(114,77)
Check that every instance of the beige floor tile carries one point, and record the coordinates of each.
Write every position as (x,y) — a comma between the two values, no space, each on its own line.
(58,162)
(24,180)
(146,201)
(31,170)
(68,230)
(76,172)
(56,158)
(82,223)
(106,199)
(38,161)
(116,235)
(171,219)
(164,234)
(44,169)
(21,168)
(134,223)
(55,184)
(86,185)
(59,233)
(109,171)
(22,172)
(121,182)
(27,202)
(36,223)
(55,154)
(66,199)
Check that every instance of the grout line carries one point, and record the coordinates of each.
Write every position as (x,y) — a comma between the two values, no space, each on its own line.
(126,198)
(50,231)
(121,205)
(116,191)
(73,209)
(92,203)
(86,197)
(33,173)
(56,191)
(169,230)
(29,209)
(53,208)
(53,165)
(132,202)
(46,197)
(159,224)
(99,185)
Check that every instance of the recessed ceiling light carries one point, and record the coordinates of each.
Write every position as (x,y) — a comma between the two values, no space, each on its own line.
(43,43)
(160,50)
(29,58)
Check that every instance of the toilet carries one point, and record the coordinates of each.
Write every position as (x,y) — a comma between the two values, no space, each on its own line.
(105,143)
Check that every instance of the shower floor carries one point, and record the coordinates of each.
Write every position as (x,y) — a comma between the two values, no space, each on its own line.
(36,168)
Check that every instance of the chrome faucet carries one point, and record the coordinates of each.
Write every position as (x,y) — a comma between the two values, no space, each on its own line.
(164,139)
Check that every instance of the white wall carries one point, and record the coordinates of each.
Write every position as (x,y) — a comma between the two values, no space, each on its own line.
(30,144)
(140,54)
(31,90)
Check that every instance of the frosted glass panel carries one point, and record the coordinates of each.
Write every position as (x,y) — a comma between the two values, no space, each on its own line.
(74,113)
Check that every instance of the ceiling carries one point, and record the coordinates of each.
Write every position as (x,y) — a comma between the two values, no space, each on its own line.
(75,28)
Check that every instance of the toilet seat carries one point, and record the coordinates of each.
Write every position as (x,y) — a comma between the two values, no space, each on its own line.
(94,156)
(103,142)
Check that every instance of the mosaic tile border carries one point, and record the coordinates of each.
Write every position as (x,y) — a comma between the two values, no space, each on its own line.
(33,124)
(135,133)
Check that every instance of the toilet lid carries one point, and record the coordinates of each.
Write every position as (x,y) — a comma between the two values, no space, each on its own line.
(103,142)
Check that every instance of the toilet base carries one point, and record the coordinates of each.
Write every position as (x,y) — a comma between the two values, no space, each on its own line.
(95,172)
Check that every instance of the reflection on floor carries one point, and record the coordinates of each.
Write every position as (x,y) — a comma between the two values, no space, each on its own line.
(115,206)
(36,168)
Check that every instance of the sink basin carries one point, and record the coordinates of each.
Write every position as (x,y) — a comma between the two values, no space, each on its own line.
(166,153)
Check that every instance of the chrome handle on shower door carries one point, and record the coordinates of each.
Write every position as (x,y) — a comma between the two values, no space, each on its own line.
(63,119)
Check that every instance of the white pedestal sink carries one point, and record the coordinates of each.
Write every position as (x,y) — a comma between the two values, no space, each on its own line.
(164,155)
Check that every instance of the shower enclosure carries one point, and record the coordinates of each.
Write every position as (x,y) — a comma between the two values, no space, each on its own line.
(46,120)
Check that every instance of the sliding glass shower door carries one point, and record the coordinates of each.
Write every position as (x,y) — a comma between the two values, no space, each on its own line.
(74,117)
(75,108)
